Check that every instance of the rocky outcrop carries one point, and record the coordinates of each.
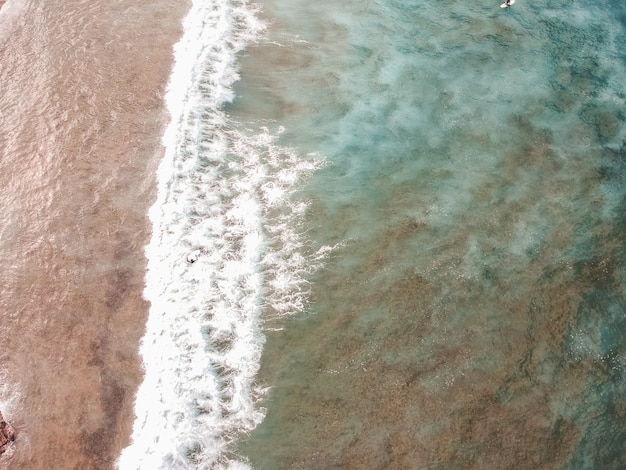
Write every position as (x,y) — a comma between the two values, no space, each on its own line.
(7,433)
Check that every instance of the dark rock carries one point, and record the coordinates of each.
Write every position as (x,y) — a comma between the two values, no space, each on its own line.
(7,434)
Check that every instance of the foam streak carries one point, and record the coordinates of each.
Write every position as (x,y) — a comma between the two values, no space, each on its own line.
(224,246)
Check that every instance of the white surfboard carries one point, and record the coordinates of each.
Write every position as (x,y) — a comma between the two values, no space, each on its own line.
(504,5)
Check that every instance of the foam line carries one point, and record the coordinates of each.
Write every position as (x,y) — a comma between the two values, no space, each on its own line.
(225,246)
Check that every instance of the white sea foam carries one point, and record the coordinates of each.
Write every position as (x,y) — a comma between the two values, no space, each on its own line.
(225,246)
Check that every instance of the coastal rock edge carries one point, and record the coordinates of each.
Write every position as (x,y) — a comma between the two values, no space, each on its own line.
(7,434)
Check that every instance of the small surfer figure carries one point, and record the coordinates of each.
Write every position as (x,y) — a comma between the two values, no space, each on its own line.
(507,4)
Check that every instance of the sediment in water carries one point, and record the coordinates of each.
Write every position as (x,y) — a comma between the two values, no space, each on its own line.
(79,155)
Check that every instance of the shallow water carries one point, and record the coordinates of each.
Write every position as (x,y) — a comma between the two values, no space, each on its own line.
(472,312)
(82,114)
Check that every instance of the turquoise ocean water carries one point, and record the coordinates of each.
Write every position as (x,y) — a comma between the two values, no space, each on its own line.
(389,234)
(471,313)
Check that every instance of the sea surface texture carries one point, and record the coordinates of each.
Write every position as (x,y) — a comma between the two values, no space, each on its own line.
(81,118)
(472,312)
(378,234)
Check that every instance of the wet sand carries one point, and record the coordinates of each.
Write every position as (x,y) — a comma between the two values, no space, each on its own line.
(77,177)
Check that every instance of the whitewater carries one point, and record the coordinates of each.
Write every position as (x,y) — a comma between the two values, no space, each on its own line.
(227,252)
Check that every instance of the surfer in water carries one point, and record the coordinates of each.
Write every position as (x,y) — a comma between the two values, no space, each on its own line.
(507,4)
